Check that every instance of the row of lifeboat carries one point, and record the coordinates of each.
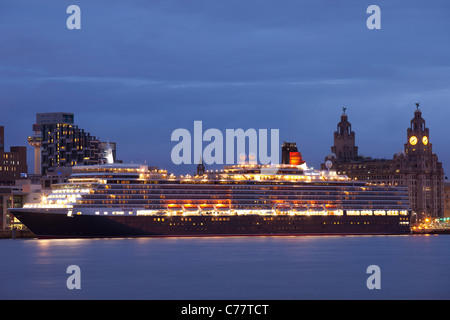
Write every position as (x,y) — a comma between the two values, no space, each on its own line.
(200,207)
(310,208)
(279,208)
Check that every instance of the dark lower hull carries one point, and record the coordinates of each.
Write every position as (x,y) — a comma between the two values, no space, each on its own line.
(51,224)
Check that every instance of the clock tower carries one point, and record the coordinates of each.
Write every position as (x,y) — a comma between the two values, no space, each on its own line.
(418,136)
(423,170)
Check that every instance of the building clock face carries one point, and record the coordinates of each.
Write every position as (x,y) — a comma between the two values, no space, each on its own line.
(425,140)
(413,140)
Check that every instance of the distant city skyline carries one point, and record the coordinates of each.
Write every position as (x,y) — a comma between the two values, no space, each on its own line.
(137,71)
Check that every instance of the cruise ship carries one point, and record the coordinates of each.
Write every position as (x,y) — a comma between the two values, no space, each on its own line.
(131,200)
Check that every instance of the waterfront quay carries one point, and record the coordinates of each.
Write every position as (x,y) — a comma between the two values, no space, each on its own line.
(10,234)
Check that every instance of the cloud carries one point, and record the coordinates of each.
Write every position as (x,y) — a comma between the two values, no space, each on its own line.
(149,67)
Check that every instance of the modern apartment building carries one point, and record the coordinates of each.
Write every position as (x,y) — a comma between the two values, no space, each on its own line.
(64,144)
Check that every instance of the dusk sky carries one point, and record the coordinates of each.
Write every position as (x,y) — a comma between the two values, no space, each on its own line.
(139,69)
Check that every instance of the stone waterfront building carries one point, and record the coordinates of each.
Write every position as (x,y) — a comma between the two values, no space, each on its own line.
(415,166)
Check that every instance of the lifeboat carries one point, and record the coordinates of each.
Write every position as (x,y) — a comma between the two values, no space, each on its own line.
(300,208)
(222,207)
(333,210)
(316,209)
(283,207)
(174,208)
(190,207)
(206,207)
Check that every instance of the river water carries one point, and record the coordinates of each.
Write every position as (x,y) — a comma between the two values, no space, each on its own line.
(276,268)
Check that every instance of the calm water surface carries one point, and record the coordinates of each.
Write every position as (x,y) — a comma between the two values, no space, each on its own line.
(321,267)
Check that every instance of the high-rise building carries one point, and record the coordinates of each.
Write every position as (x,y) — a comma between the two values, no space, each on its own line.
(416,166)
(36,141)
(13,167)
(64,144)
(13,164)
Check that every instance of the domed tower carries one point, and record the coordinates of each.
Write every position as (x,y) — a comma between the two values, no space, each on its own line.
(201,169)
(344,147)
